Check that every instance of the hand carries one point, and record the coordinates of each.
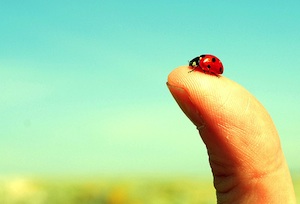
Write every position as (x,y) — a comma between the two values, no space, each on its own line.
(243,145)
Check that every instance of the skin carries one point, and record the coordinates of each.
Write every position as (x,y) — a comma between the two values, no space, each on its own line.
(243,145)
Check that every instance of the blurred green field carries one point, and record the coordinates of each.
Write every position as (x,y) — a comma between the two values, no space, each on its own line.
(110,191)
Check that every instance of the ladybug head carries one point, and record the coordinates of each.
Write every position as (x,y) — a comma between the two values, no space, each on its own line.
(194,62)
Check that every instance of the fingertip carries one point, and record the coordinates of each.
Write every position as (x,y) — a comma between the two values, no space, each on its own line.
(226,112)
(202,90)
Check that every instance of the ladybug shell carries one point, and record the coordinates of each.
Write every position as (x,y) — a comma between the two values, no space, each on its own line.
(210,64)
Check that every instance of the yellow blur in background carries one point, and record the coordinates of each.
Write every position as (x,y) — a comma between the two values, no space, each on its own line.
(144,190)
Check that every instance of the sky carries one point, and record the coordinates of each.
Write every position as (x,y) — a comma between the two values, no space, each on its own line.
(83,89)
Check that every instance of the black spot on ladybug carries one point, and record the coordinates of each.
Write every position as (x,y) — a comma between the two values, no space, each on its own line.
(213,59)
(221,69)
(208,66)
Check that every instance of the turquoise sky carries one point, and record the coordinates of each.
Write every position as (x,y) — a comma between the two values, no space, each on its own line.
(83,90)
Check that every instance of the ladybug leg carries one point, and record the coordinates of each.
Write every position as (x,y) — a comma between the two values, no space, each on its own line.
(192,70)
(215,75)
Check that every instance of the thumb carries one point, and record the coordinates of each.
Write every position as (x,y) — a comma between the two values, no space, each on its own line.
(243,145)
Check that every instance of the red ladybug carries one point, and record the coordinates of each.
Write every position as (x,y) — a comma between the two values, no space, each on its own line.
(208,64)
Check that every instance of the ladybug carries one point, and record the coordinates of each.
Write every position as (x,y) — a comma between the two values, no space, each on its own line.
(208,64)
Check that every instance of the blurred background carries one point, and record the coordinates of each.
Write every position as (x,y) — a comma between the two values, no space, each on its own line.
(86,117)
